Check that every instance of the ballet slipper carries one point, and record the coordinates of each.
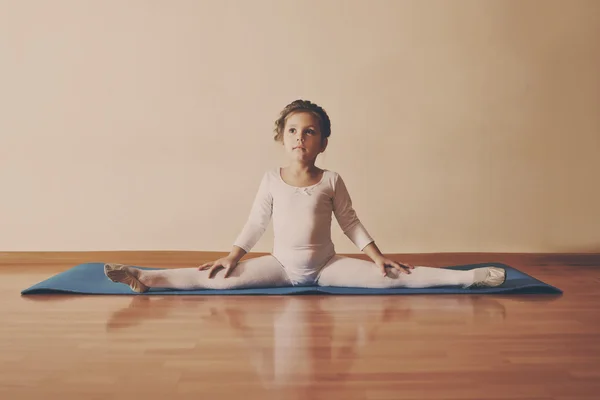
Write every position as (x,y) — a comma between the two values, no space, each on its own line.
(488,277)
(123,274)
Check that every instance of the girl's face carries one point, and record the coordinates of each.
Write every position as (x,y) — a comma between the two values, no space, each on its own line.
(302,137)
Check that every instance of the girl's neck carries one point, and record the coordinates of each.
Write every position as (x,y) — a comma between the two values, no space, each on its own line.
(301,169)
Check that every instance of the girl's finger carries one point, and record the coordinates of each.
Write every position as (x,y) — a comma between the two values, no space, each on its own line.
(401,268)
(228,271)
(405,265)
(383,270)
(213,270)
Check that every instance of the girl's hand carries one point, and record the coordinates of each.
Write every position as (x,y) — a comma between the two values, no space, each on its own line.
(227,263)
(383,262)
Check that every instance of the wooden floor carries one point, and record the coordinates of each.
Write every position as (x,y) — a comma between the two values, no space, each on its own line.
(307,347)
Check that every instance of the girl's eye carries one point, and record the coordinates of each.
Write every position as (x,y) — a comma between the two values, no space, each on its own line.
(311,131)
(292,130)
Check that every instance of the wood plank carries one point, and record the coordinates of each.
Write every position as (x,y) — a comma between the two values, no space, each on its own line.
(484,347)
(190,258)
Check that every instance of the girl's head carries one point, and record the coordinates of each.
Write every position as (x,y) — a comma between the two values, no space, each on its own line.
(303,128)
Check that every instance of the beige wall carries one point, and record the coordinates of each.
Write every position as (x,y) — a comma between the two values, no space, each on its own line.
(457,125)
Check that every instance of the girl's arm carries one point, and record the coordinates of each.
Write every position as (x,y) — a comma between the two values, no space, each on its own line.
(236,254)
(354,229)
(373,252)
(346,216)
(257,222)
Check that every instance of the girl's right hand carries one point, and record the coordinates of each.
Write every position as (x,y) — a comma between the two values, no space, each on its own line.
(226,262)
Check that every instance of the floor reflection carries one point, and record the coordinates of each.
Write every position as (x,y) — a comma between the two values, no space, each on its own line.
(295,342)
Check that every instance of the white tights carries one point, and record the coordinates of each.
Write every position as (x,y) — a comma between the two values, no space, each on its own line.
(266,271)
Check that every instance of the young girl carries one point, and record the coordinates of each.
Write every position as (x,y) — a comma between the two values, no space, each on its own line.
(300,199)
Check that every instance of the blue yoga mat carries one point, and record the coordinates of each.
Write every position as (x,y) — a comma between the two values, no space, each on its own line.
(89,278)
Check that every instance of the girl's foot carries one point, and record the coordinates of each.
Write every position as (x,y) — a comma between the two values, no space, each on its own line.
(488,277)
(125,274)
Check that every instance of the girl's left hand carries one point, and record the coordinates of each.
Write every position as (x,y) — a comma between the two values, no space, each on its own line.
(383,262)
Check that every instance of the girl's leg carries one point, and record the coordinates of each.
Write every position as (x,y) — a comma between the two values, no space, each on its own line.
(256,272)
(353,272)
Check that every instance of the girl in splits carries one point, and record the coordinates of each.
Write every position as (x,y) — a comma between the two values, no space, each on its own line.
(300,200)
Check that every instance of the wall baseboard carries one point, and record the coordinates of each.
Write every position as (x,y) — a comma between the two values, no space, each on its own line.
(191,258)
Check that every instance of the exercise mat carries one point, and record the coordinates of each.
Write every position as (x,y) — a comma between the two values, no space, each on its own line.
(89,278)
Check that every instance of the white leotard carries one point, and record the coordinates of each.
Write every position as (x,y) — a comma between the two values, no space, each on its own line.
(303,253)
(302,223)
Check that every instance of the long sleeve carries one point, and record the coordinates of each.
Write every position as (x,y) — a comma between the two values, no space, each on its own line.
(259,218)
(346,216)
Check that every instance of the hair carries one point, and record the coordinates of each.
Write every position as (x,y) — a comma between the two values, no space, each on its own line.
(303,106)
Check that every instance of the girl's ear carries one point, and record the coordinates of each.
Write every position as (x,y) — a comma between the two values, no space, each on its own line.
(324,144)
